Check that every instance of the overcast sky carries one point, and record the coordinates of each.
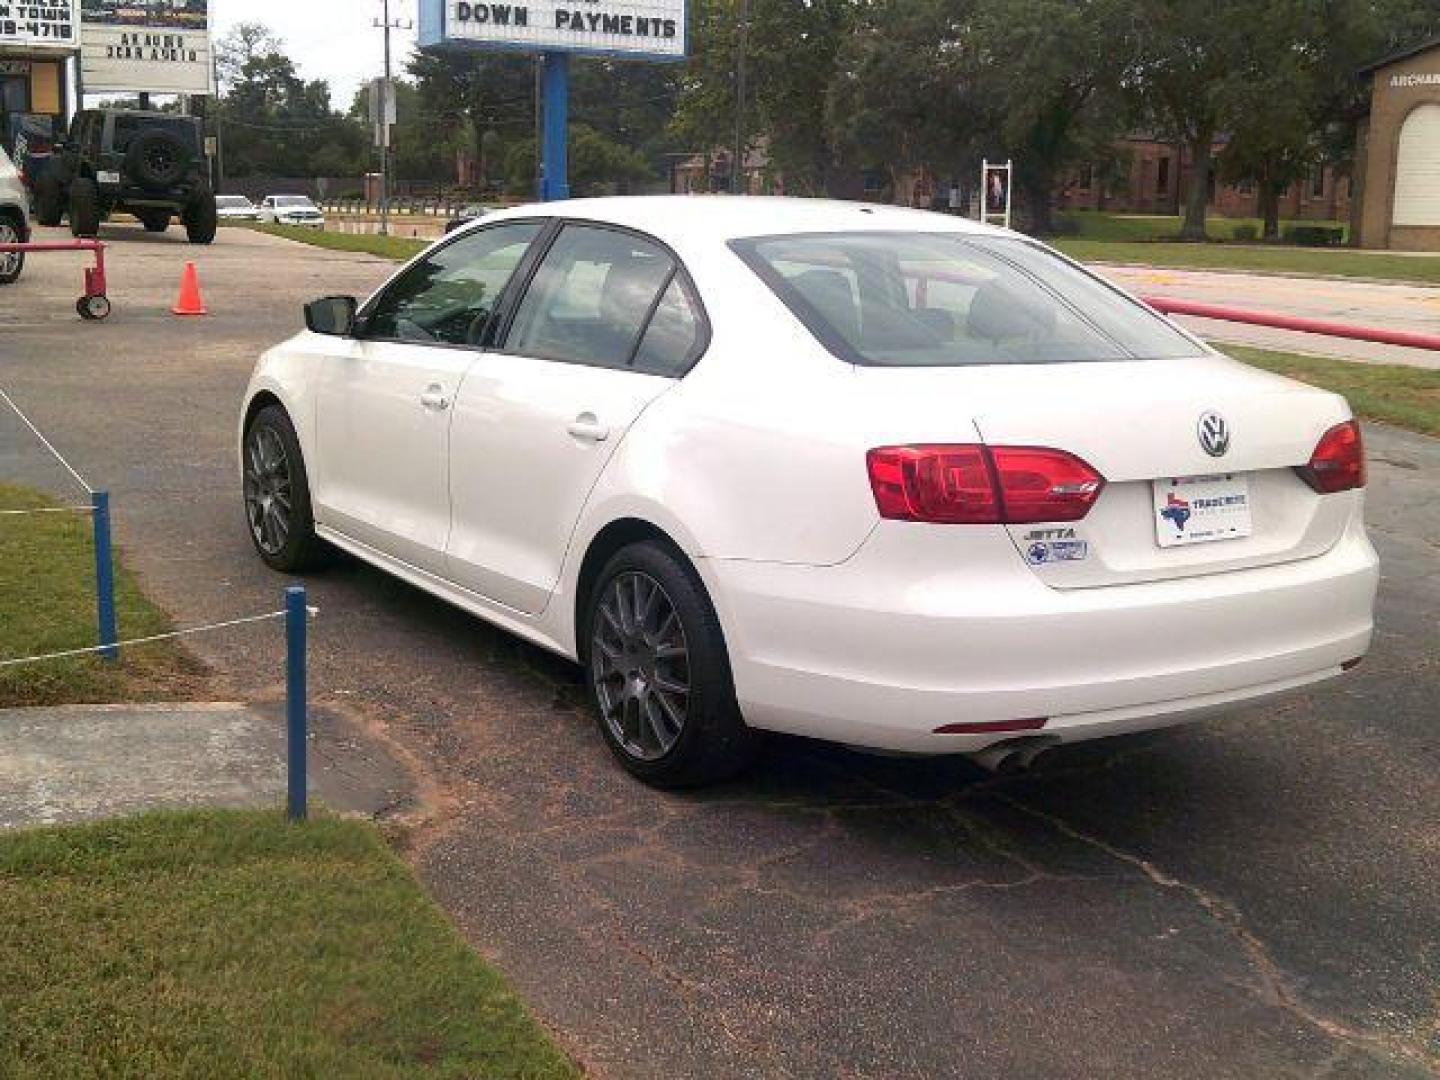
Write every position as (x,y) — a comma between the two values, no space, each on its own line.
(332,40)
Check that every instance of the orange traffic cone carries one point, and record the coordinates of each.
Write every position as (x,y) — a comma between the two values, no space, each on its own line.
(190,302)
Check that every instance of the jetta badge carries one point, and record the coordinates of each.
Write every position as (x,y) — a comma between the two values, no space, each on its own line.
(1214,434)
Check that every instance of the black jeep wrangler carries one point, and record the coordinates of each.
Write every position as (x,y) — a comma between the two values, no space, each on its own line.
(148,164)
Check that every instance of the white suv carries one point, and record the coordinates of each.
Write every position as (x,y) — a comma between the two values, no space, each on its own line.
(14,219)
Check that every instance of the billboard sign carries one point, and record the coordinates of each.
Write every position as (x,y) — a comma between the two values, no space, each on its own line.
(155,46)
(635,29)
(40,24)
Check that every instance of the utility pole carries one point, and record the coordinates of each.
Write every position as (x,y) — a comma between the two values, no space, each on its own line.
(387,103)
(742,59)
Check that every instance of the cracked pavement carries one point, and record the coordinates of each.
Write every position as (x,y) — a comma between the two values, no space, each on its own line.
(1258,895)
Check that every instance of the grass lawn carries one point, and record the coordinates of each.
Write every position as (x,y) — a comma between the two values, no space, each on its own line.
(47,604)
(224,944)
(1404,396)
(387,247)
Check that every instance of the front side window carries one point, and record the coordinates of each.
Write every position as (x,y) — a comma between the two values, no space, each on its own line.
(948,300)
(449,296)
(592,297)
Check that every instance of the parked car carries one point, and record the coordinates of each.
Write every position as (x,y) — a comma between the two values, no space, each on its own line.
(148,164)
(236,208)
(473,212)
(871,475)
(291,210)
(14,219)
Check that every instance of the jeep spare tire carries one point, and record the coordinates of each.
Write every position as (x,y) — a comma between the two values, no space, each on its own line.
(157,158)
(84,207)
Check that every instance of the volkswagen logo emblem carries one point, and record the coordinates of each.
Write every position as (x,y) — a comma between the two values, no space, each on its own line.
(1214,434)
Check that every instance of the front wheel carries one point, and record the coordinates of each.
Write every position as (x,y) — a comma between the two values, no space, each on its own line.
(11,262)
(277,495)
(659,674)
(49,201)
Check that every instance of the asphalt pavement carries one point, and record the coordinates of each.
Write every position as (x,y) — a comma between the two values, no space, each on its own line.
(1256,896)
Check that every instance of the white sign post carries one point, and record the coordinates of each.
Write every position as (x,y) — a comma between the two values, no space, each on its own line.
(147,46)
(997,192)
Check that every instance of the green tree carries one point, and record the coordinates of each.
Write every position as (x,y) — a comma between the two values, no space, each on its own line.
(598,165)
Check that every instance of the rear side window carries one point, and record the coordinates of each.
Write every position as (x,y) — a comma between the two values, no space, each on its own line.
(675,337)
(944,300)
(591,298)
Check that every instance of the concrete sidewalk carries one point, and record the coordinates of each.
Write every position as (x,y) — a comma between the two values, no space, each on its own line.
(80,763)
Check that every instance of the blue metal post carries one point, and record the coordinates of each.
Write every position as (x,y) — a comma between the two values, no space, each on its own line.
(295,711)
(555,158)
(104,575)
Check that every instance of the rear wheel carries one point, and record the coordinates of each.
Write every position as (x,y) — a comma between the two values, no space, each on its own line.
(11,263)
(84,207)
(202,220)
(277,494)
(155,221)
(49,201)
(659,674)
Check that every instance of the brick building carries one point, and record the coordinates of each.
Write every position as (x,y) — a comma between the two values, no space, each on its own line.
(1399,153)
(1155,176)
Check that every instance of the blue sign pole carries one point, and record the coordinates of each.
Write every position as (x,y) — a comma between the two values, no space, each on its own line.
(555,154)
(296,612)
(104,575)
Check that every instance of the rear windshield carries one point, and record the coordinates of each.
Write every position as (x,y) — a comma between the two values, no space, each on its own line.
(294,200)
(235,201)
(127,127)
(945,300)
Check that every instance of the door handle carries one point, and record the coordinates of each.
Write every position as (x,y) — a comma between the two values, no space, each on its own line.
(587,428)
(435,399)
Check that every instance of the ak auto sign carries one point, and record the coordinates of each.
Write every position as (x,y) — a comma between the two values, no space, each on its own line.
(51,24)
(156,46)
(642,29)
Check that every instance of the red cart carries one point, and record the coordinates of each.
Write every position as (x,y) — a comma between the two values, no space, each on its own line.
(94,304)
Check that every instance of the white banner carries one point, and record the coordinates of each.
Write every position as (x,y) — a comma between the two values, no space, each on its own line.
(655,29)
(40,24)
(155,46)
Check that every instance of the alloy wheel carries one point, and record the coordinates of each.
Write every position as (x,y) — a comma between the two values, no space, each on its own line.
(9,261)
(269,496)
(640,666)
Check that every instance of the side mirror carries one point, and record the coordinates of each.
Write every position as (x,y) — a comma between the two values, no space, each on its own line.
(333,316)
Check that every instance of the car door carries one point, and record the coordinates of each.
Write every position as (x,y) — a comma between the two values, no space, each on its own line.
(384,406)
(606,325)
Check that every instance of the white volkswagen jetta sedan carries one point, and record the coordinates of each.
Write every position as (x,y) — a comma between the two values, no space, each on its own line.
(865,474)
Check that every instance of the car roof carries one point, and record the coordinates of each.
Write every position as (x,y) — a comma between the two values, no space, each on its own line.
(731,217)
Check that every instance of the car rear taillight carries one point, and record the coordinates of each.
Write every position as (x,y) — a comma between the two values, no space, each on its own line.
(1338,463)
(981,485)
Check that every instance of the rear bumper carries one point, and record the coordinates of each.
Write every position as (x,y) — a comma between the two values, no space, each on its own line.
(876,653)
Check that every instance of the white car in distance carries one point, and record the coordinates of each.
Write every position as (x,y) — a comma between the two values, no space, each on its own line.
(870,475)
(291,210)
(236,208)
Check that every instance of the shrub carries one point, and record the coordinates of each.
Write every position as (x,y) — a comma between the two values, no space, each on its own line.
(1245,231)
(1315,235)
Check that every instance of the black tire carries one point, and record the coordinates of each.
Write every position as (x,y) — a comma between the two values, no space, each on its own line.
(11,265)
(157,159)
(713,742)
(49,201)
(202,220)
(84,208)
(155,221)
(298,548)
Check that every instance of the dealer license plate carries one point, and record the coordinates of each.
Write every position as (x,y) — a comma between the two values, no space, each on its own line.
(108,177)
(1198,509)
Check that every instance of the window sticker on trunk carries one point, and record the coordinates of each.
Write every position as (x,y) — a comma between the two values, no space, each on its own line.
(1053,546)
